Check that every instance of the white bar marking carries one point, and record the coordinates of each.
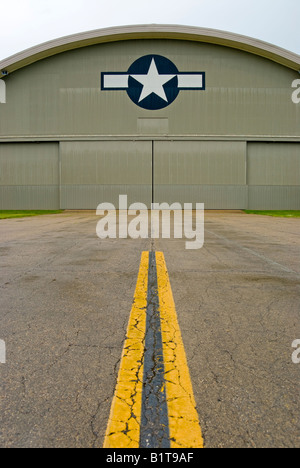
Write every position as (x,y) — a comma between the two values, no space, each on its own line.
(190,81)
(115,81)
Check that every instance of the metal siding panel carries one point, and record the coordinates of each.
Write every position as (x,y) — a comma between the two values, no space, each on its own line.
(153,126)
(29,198)
(207,172)
(204,163)
(29,164)
(86,197)
(274,164)
(97,172)
(106,163)
(213,197)
(60,95)
(29,176)
(274,198)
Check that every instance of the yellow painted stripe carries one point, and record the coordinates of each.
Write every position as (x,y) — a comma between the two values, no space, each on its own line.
(185,431)
(123,429)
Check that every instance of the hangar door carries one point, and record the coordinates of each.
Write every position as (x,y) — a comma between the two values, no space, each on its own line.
(94,172)
(207,172)
(210,172)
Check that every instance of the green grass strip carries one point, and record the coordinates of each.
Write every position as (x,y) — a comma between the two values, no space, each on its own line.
(24,214)
(277,214)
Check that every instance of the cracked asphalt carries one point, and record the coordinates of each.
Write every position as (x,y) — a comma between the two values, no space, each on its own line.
(154,420)
(65,301)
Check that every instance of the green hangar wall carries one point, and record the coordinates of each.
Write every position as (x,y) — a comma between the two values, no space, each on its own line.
(160,113)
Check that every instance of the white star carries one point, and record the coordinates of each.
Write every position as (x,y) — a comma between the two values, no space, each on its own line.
(153,82)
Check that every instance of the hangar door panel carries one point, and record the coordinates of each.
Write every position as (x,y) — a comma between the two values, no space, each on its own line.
(95,172)
(207,172)
(274,176)
(29,176)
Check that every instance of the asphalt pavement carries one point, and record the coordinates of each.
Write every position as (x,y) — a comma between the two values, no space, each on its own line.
(65,304)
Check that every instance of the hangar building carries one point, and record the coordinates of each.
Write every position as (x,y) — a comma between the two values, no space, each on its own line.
(160,113)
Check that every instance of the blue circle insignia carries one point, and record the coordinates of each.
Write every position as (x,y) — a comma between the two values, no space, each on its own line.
(153,82)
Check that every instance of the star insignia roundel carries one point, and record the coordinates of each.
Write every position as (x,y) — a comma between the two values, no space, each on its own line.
(152,82)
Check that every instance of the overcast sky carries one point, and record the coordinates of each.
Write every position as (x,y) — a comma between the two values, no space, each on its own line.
(25,23)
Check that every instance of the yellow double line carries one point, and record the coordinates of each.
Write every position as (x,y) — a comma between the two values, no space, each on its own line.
(124,426)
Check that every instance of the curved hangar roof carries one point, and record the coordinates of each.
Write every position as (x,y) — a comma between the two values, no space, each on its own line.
(125,33)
